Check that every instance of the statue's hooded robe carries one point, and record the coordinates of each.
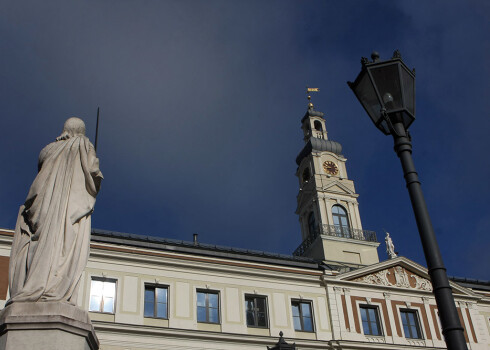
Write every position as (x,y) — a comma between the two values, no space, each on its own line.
(52,235)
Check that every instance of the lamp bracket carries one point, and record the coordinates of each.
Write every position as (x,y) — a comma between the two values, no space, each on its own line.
(390,124)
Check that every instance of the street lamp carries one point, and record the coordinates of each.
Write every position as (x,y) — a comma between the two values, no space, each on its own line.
(386,90)
(282,345)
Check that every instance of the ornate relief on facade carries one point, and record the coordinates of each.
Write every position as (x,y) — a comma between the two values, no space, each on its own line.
(397,277)
(415,342)
(375,339)
(401,277)
(422,283)
(379,278)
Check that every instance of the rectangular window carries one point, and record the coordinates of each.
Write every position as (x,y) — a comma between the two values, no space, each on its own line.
(370,320)
(410,323)
(156,301)
(102,295)
(302,317)
(256,308)
(207,307)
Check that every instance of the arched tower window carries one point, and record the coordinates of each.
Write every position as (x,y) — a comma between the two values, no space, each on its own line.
(306,175)
(318,125)
(341,221)
(311,224)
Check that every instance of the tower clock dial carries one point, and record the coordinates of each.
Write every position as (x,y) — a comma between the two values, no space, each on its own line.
(330,168)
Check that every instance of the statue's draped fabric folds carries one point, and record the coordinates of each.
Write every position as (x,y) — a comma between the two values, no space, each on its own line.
(52,235)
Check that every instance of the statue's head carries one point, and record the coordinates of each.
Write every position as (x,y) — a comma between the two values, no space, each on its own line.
(74,126)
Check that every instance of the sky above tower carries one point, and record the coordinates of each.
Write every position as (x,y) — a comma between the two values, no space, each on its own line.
(201,103)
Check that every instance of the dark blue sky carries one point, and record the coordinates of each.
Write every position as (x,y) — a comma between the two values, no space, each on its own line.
(201,103)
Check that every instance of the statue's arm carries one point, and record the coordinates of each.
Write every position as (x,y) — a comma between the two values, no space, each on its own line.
(94,167)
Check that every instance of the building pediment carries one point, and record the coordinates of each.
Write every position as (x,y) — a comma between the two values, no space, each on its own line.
(397,276)
(338,187)
(397,273)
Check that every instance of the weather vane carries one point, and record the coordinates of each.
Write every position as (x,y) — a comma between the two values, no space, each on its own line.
(308,90)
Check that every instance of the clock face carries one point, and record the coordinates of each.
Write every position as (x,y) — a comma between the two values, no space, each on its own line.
(330,168)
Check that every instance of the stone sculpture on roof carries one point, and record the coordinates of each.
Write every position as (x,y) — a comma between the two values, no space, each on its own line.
(390,247)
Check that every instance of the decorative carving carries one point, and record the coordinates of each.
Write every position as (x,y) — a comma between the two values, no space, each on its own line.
(337,289)
(368,300)
(416,342)
(346,291)
(387,295)
(422,283)
(408,304)
(376,339)
(380,278)
(401,277)
(425,300)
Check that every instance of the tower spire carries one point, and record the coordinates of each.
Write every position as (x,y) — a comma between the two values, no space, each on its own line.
(327,201)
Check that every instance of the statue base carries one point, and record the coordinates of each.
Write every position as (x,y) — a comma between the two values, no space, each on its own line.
(46,326)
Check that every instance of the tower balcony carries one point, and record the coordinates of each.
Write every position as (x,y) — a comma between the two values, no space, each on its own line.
(335,231)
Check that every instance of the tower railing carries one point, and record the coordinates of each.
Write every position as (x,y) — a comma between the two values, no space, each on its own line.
(335,231)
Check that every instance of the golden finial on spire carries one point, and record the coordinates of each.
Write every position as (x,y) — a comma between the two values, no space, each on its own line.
(308,90)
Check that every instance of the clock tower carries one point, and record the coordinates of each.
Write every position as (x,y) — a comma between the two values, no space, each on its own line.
(328,211)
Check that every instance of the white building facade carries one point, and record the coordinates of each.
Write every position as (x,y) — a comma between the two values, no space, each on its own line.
(145,292)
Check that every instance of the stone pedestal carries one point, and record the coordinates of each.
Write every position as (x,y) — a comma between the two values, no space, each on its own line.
(46,326)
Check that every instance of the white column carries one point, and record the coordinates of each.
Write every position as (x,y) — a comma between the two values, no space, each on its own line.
(337,312)
(323,210)
(352,215)
(432,326)
(466,325)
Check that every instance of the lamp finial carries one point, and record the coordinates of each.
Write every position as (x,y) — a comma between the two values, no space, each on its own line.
(375,56)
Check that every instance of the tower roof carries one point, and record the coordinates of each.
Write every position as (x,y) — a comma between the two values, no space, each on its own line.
(315,144)
(310,112)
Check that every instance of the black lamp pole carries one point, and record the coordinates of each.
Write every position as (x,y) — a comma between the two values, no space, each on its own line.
(380,89)
(451,327)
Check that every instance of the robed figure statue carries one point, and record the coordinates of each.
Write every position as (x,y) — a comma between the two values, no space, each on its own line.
(52,235)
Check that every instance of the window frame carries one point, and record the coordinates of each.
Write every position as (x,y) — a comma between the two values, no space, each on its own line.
(101,304)
(378,320)
(301,317)
(266,311)
(417,323)
(343,231)
(207,292)
(155,286)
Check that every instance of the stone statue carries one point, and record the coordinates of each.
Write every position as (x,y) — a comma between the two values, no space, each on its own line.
(52,235)
(390,247)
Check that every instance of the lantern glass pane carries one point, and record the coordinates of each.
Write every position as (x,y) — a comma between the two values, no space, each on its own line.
(409,91)
(387,81)
(367,95)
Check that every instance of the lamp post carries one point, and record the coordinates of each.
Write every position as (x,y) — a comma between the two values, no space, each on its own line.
(386,90)
(282,345)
